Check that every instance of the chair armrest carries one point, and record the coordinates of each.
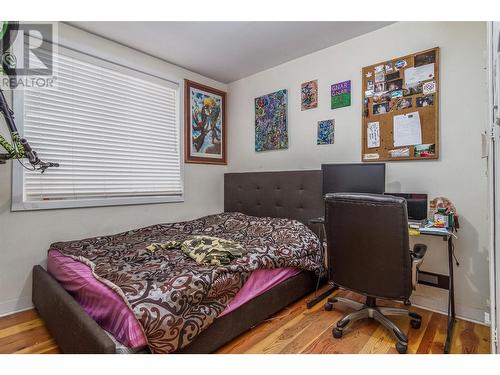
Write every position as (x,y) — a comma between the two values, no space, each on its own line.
(417,256)
(419,251)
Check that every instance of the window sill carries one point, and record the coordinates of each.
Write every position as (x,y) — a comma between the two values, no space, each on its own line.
(100,202)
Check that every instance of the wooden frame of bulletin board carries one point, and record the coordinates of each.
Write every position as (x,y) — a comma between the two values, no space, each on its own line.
(393,97)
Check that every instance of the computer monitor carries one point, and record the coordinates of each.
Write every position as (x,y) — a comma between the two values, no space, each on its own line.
(353,178)
(416,204)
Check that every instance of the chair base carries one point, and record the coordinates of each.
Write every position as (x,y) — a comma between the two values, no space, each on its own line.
(379,313)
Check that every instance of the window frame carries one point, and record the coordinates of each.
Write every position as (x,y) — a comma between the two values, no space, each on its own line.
(19,202)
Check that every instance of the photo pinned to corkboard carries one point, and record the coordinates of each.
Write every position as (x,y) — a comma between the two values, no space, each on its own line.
(401,96)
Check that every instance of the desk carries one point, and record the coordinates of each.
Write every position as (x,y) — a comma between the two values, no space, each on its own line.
(425,278)
(444,282)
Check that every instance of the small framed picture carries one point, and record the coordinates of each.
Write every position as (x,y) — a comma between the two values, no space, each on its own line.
(309,95)
(204,124)
(326,131)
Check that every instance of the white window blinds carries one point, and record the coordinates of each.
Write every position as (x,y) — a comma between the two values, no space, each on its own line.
(114,132)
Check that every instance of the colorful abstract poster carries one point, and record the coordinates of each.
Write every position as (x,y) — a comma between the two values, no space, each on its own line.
(326,130)
(309,95)
(341,94)
(271,122)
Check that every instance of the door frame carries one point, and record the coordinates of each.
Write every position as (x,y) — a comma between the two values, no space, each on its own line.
(493,71)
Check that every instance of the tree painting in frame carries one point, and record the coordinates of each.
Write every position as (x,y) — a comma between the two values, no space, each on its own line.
(271,122)
(205,124)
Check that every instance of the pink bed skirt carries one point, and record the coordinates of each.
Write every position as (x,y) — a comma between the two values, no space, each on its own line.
(109,310)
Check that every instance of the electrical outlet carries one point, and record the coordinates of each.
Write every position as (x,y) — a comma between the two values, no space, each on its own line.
(487,318)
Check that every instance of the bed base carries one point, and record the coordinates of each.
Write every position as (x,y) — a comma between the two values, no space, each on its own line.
(72,329)
(76,332)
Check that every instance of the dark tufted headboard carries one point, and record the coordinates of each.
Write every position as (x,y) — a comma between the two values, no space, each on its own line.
(294,194)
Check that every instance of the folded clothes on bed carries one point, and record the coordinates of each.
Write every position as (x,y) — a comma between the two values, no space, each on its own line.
(204,249)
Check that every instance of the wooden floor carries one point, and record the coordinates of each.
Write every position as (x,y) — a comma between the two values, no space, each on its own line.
(293,330)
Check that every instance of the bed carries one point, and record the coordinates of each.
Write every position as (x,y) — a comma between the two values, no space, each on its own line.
(293,195)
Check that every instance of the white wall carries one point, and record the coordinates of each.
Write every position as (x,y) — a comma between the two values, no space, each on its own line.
(459,174)
(26,236)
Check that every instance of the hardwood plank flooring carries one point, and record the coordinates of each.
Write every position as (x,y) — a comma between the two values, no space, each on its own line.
(298,330)
(295,329)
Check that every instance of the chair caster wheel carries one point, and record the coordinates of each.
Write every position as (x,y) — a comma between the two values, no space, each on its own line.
(415,324)
(401,348)
(337,333)
(328,306)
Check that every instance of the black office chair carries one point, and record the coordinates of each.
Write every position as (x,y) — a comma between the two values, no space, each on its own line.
(368,252)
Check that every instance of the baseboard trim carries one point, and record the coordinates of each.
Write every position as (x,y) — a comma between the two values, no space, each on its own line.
(446,313)
(437,301)
(16,305)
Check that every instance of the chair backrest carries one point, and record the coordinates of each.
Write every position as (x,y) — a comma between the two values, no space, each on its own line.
(368,245)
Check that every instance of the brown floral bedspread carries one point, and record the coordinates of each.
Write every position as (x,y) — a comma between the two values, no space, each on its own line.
(172,296)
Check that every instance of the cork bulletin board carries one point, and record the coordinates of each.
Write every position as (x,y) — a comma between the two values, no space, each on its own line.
(401,108)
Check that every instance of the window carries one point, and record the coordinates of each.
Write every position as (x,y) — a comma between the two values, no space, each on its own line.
(114,131)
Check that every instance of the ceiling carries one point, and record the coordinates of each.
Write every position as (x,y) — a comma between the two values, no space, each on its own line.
(228,51)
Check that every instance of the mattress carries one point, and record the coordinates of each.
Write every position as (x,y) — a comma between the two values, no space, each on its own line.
(111,312)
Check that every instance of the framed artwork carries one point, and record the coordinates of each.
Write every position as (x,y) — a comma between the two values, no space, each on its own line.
(309,95)
(205,124)
(341,94)
(271,121)
(326,130)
